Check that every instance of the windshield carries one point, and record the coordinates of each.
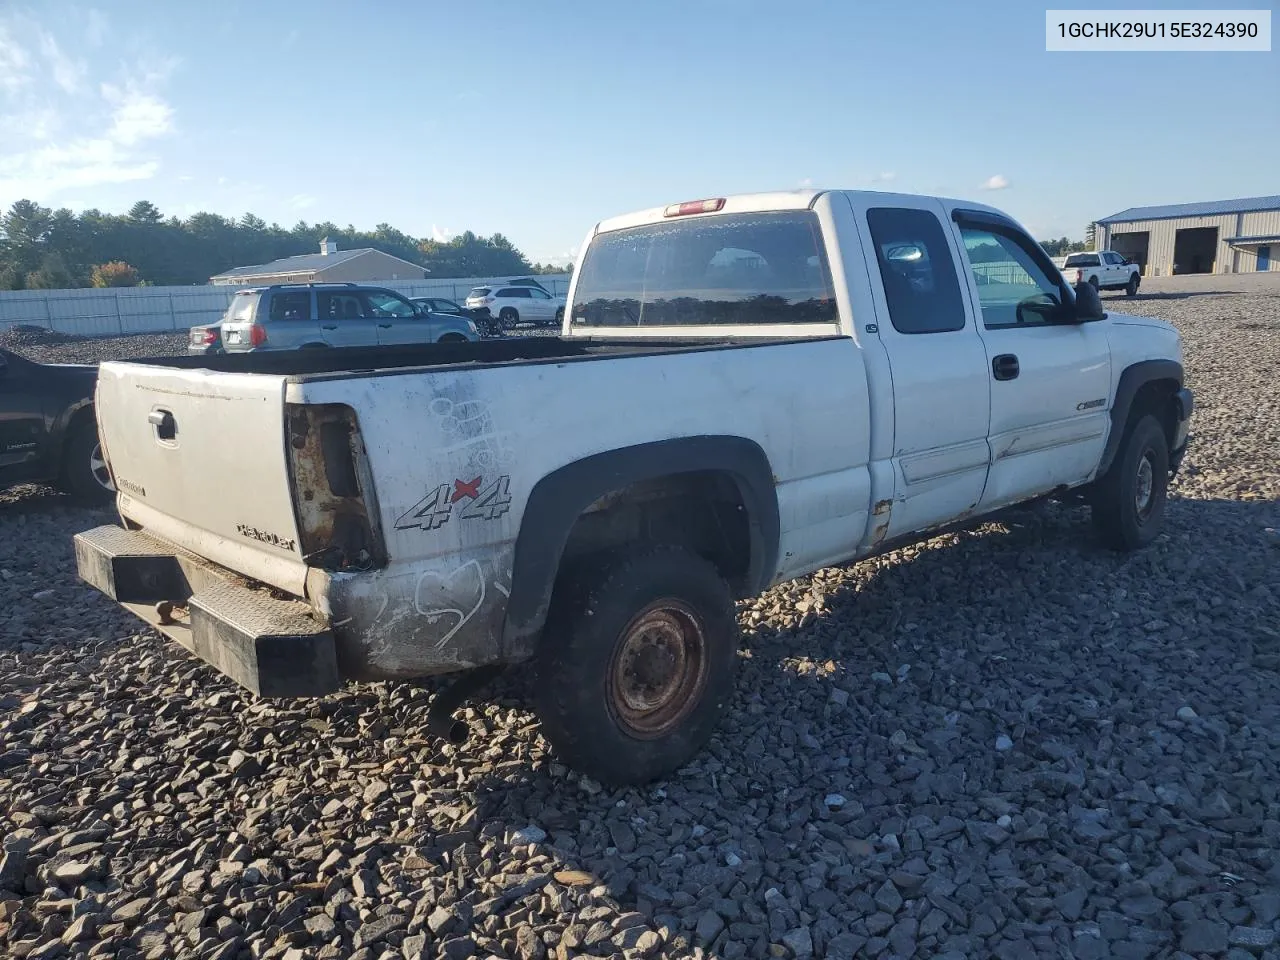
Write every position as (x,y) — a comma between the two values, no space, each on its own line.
(750,268)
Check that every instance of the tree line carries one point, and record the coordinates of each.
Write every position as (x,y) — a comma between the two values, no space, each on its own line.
(42,248)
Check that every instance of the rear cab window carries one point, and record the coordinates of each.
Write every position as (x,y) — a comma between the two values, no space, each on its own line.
(748,269)
(1082,260)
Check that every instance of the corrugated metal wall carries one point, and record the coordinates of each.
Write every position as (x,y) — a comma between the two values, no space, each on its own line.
(1163,235)
(125,310)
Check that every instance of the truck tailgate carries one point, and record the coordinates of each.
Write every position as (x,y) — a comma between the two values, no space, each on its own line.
(199,459)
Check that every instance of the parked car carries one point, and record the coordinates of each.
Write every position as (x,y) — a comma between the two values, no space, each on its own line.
(1103,270)
(484,321)
(205,338)
(750,388)
(47,429)
(293,316)
(517,304)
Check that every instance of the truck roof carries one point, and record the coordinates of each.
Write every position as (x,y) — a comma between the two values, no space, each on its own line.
(799,199)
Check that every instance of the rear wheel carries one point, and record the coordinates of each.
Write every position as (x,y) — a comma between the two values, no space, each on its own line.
(1131,288)
(1094,282)
(84,468)
(1129,499)
(559,316)
(508,318)
(636,664)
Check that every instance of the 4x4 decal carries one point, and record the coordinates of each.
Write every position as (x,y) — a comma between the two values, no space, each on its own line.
(487,502)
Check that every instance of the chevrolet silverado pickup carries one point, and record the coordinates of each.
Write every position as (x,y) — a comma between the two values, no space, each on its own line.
(745,389)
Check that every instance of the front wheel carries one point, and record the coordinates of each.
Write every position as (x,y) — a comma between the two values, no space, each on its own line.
(1094,282)
(84,468)
(1131,288)
(1129,499)
(637,664)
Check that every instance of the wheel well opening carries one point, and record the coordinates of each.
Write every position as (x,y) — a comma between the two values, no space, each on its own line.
(1156,397)
(701,510)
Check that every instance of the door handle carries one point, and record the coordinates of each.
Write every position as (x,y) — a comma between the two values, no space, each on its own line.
(1005,367)
(384,326)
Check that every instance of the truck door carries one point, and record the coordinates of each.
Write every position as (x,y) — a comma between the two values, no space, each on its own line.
(1050,382)
(941,394)
(22,421)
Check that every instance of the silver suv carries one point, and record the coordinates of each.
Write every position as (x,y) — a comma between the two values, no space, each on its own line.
(294,315)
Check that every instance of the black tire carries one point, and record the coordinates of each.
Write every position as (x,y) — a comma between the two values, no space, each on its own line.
(1131,288)
(609,628)
(1128,502)
(559,316)
(1094,281)
(84,474)
(452,338)
(508,318)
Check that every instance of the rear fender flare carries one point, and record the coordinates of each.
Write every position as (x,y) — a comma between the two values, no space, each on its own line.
(559,498)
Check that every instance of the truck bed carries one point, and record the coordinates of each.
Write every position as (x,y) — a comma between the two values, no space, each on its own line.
(343,362)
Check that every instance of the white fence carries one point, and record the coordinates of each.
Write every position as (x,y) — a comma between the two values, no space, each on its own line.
(120,311)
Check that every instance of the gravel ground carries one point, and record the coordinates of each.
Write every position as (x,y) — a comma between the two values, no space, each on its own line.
(1004,744)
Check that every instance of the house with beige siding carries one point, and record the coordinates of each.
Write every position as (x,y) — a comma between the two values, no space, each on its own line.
(330,265)
(1221,236)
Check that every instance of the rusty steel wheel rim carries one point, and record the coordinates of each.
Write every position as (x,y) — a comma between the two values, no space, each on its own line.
(659,670)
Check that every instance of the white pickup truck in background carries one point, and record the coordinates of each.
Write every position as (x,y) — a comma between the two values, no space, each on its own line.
(746,389)
(1103,270)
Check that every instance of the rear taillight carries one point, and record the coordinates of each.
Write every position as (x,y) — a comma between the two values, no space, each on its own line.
(257,335)
(209,337)
(332,488)
(1079,276)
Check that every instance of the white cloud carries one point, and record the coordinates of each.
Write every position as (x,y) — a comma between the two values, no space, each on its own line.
(302,201)
(64,129)
(14,62)
(137,116)
(885,177)
(97,28)
(441,234)
(995,182)
(806,182)
(68,74)
(185,178)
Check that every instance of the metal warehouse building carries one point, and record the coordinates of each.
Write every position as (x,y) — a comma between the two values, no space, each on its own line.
(1223,236)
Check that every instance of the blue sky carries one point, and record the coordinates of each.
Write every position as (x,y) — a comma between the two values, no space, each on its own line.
(535,120)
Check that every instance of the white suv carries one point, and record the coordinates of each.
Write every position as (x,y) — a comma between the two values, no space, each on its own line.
(517,304)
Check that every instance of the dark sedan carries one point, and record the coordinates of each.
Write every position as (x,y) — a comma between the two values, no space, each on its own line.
(47,430)
(483,321)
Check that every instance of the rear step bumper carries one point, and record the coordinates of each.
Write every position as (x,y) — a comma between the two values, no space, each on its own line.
(275,648)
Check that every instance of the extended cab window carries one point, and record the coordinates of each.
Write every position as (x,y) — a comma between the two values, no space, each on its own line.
(1011,284)
(737,268)
(920,284)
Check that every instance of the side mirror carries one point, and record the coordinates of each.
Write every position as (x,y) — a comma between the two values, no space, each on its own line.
(1088,304)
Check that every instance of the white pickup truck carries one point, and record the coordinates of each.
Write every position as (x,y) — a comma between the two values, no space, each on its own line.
(745,390)
(1103,270)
